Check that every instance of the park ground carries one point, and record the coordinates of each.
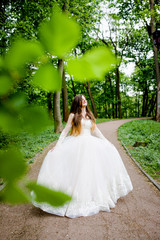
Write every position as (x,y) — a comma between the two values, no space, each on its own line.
(136,216)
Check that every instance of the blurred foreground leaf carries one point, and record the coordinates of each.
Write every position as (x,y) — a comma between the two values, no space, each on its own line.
(43,194)
(21,53)
(94,64)
(34,119)
(16,102)
(5,84)
(9,112)
(60,34)
(48,78)
(12,165)
(13,194)
(9,121)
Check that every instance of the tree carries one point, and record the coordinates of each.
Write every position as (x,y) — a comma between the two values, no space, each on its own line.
(142,15)
(117,37)
(87,85)
(157,66)
(65,98)
(144,83)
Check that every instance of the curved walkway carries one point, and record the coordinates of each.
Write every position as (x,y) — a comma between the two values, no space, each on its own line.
(136,216)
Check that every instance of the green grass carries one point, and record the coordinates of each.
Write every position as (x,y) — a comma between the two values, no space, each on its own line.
(99,120)
(147,131)
(29,144)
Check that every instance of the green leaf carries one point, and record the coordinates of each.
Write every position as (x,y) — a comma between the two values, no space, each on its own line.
(111,5)
(9,121)
(21,53)
(94,64)
(60,34)
(34,119)
(14,117)
(5,84)
(48,78)
(1,62)
(44,194)
(16,102)
(13,194)
(12,165)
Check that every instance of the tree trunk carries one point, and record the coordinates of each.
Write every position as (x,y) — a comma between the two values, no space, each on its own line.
(155,51)
(105,101)
(112,94)
(145,102)
(58,127)
(65,99)
(158,84)
(126,112)
(137,98)
(3,18)
(116,109)
(50,105)
(73,88)
(92,100)
(152,103)
(118,92)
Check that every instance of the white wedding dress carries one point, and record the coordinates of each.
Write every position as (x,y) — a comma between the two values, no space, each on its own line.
(86,167)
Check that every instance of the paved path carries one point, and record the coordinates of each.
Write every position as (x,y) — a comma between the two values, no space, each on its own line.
(136,216)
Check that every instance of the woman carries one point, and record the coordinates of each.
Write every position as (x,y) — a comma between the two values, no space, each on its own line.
(86,167)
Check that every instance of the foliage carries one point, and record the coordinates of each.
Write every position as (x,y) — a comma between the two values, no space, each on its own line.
(21,19)
(92,65)
(16,115)
(67,34)
(43,194)
(135,17)
(100,120)
(147,131)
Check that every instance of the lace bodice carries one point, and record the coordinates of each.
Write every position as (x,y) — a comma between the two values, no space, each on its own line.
(86,126)
(86,129)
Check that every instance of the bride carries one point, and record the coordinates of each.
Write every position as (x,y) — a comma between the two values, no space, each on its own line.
(84,165)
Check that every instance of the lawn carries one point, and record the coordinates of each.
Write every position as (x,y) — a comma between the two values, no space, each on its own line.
(142,139)
(29,144)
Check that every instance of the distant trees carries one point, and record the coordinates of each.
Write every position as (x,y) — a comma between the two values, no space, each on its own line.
(142,17)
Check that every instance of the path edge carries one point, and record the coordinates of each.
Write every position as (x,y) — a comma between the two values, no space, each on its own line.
(142,170)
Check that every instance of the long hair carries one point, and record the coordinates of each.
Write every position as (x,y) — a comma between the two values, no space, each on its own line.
(76,108)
